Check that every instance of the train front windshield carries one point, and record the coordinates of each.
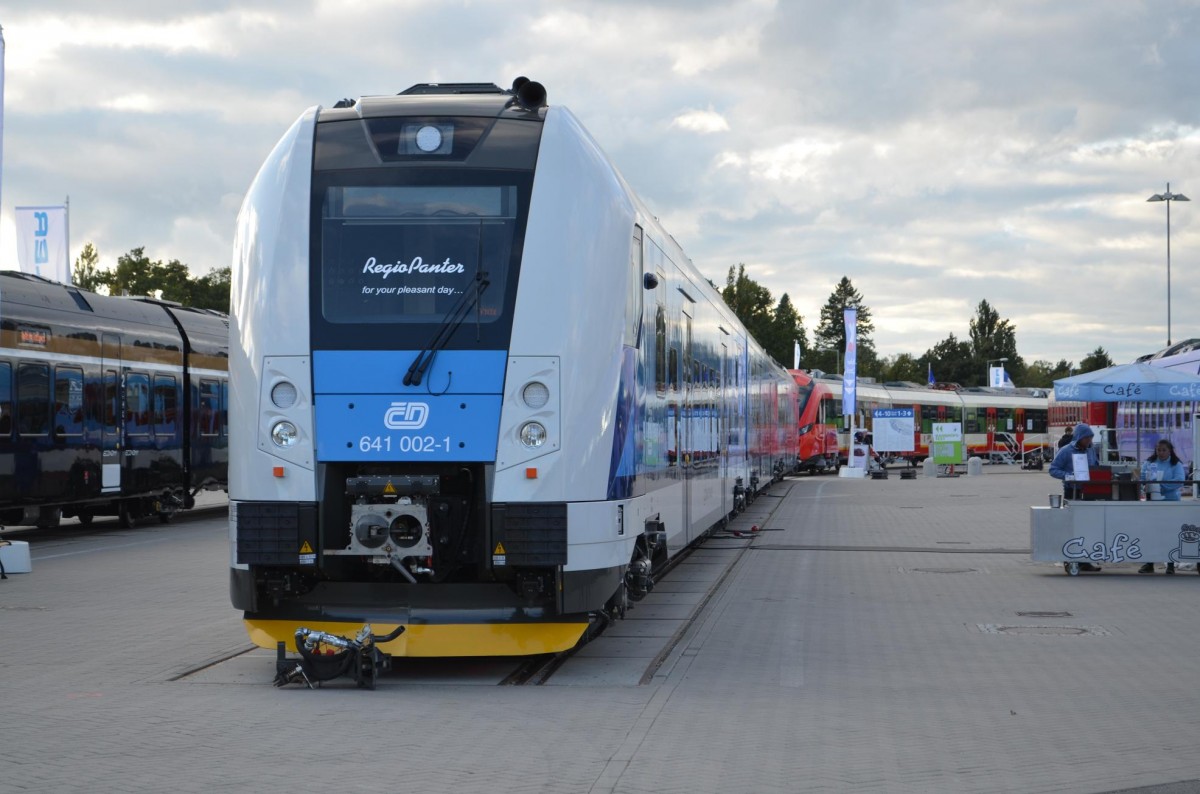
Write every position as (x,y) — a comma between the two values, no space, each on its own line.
(411,244)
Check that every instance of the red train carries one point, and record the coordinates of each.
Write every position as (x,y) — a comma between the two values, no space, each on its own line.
(998,425)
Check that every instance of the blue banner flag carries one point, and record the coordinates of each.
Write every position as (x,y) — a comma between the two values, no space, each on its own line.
(849,379)
(931,378)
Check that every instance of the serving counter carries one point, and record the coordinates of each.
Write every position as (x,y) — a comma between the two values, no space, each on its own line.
(1112,532)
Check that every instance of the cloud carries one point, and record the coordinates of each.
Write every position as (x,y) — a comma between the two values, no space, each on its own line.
(937,154)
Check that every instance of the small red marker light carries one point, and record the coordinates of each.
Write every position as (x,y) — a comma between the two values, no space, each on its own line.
(531,474)
(277,471)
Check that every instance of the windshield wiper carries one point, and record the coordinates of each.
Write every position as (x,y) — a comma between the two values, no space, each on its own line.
(450,323)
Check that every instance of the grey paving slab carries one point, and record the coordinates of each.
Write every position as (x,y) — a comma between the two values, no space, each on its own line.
(619,646)
(884,637)
(637,626)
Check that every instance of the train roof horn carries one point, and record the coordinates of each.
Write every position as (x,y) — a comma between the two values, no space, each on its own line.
(529,94)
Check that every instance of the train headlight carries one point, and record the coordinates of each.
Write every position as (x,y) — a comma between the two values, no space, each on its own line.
(429,138)
(533,434)
(284,434)
(283,394)
(535,394)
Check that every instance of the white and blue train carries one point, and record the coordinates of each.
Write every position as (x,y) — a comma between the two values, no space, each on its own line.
(476,389)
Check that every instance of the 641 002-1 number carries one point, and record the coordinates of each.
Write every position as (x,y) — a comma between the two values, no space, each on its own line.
(417,444)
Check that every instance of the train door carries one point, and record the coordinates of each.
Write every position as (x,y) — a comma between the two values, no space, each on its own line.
(688,413)
(113,416)
(990,426)
(723,426)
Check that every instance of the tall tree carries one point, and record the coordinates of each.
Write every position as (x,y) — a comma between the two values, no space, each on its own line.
(136,274)
(787,328)
(952,361)
(829,339)
(777,330)
(1097,359)
(86,274)
(750,301)
(902,366)
(993,338)
(1042,374)
(211,291)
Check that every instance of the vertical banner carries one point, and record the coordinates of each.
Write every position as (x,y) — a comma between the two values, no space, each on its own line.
(796,356)
(42,242)
(849,379)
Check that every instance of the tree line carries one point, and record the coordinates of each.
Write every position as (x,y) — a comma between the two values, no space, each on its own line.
(776,324)
(136,274)
(952,360)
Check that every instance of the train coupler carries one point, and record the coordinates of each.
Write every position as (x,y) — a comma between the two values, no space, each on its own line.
(324,657)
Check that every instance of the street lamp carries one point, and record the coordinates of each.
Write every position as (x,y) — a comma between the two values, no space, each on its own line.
(1168,197)
(987,380)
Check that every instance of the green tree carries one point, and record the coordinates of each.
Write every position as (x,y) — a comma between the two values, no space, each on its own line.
(777,330)
(952,361)
(1041,374)
(211,291)
(993,338)
(902,366)
(133,275)
(86,274)
(137,274)
(1097,359)
(787,328)
(750,301)
(829,340)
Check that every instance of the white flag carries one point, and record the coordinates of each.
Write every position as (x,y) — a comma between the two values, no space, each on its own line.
(42,242)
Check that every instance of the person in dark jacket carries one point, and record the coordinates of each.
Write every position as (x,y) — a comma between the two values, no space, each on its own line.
(1063,467)
(1065,438)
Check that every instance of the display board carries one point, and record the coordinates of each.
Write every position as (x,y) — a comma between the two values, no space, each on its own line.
(947,445)
(892,429)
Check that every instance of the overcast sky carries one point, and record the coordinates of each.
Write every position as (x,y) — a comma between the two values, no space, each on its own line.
(937,153)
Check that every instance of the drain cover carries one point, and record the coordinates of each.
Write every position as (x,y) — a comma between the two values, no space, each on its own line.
(1044,631)
(1043,614)
(943,570)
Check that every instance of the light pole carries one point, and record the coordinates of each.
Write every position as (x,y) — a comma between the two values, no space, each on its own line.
(987,380)
(1168,197)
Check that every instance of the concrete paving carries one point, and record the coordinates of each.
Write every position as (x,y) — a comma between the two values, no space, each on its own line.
(876,635)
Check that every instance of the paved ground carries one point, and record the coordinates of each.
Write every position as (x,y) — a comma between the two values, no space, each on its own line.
(875,636)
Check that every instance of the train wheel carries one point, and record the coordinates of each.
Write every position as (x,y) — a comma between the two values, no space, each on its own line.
(85,518)
(1072,568)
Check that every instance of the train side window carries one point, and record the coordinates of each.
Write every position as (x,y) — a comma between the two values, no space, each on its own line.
(137,404)
(112,401)
(166,405)
(210,407)
(225,408)
(673,368)
(6,411)
(33,399)
(68,401)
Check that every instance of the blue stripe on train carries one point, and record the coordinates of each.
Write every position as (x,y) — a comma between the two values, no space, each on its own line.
(622,468)
(365,413)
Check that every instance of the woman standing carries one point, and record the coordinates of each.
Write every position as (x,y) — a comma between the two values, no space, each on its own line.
(1165,474)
